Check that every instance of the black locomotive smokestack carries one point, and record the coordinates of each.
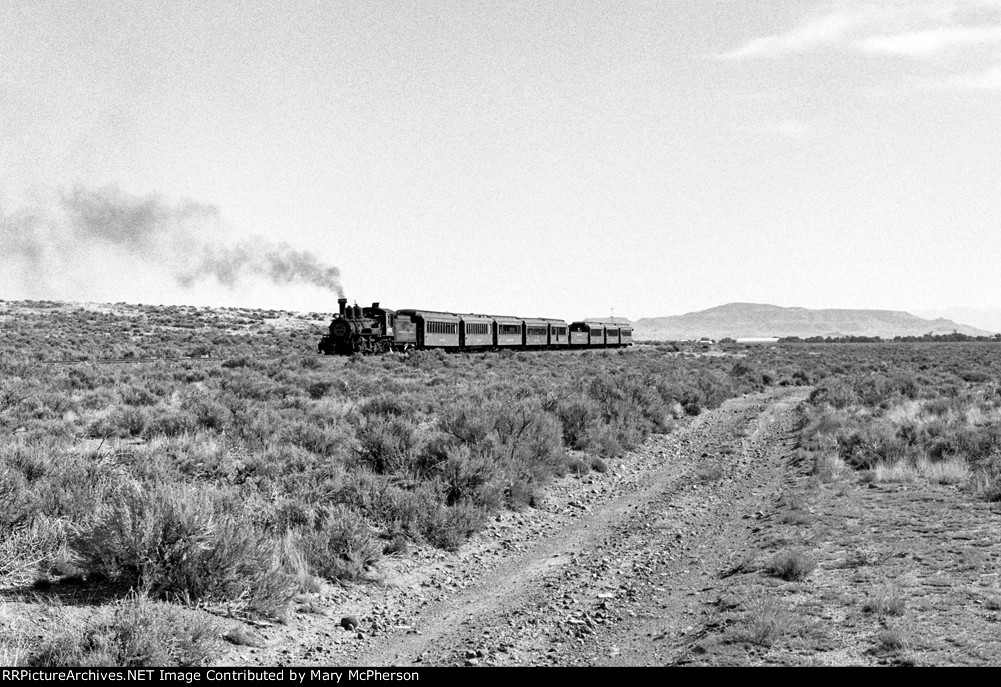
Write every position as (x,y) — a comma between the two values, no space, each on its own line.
(341,302)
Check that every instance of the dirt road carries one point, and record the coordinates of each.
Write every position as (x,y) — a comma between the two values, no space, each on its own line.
(612,569)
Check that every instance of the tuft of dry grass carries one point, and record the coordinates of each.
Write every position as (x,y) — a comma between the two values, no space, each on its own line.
(954,470)
(763,621)
(885,600)
(136,632)
(891,641)
(828,465)
(15,640)
(900,472)
(792,565)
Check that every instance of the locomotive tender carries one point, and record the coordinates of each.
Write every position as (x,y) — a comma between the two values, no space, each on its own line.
(380,330)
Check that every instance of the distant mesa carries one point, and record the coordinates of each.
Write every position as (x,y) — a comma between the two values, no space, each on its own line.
(755,320)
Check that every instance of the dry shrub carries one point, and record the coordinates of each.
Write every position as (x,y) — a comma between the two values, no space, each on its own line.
(450,526)
(472,478)
(520,494)
(387,443)
(136,633)
(128,421)
(340,545)
(577,467)
(578,414)
(185,543)
(598,465)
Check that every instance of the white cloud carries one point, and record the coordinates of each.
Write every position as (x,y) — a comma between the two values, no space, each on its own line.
(824,30)
(932,41)
(907,28)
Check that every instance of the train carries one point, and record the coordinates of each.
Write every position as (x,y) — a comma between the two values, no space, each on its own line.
(380,330)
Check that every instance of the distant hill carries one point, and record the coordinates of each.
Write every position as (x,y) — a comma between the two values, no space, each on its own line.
(738,320)
(984,318)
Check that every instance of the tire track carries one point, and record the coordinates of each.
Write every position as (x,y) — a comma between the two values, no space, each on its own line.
(621,579)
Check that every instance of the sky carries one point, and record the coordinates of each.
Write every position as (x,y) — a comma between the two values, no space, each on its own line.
(538,158)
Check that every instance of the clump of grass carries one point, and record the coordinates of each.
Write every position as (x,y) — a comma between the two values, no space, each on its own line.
(763,622)
(33,549)
(891,641)
(792,565)
(16,641)
(951,471)
(828,466)
(901,472)
(137,632)
(985,483)
(885,601)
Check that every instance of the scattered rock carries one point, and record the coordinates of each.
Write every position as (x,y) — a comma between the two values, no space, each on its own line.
(241,636)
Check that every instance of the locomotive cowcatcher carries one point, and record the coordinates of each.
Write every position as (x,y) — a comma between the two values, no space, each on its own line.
(367,330)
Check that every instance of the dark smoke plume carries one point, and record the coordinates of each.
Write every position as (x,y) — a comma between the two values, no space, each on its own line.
(50,238)
(139,225)
(278,263)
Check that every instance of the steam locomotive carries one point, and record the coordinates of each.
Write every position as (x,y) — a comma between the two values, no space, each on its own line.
(380,330)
